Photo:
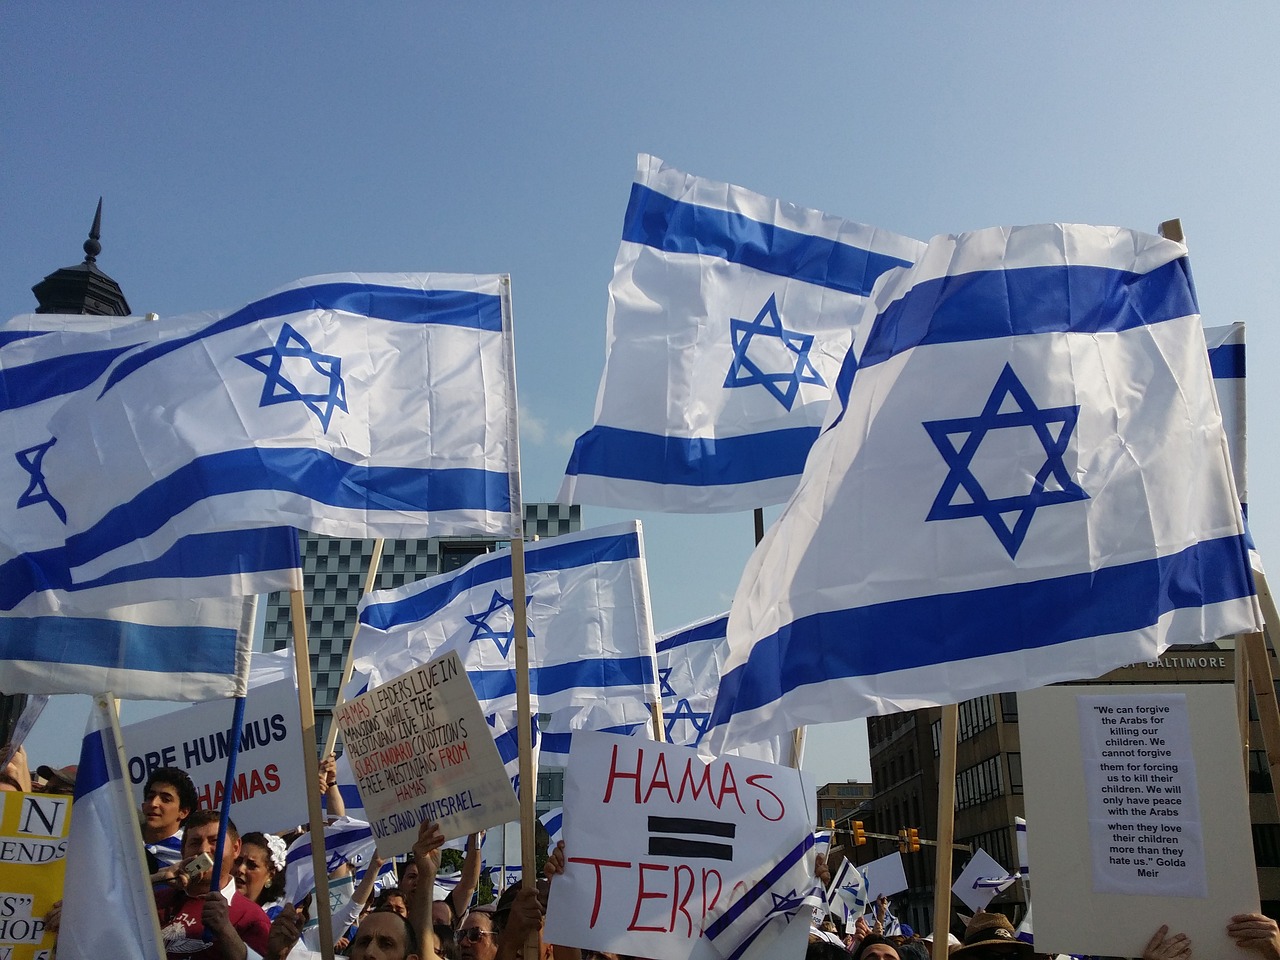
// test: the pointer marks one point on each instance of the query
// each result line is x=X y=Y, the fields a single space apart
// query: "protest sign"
x=420 y=750
x=270 y=786
x=1116 y=780
x=969 y=886
x=885 y=876
x=33 y=850
x=660 y=841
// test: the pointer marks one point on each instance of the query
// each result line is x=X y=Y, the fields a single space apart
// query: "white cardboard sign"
x=1195 y=871
x=420 y=750
x=982 y=866
x=270 y=785
x=885 y=876
x=659 y=840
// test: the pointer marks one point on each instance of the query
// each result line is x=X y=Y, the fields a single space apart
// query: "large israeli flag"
x=689 y=665
x=47 y=361
x=350 y=405
x=1023 y=481
x=729 y=314
x=590 y=633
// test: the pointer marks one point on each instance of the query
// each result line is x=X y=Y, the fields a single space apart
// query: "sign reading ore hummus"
x=420 y=750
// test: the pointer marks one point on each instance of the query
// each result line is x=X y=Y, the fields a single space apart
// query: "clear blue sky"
x=239 y=147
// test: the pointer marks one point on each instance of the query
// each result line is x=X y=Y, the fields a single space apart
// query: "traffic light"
x=902 y=840
x=859 y=836
x=913 y=840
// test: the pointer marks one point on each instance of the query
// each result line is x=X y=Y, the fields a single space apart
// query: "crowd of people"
x=245 y=915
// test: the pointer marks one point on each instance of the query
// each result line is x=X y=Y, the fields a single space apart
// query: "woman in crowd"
x=259 y=871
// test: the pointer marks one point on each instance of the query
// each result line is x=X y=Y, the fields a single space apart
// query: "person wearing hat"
x=990 y=936
x=60 y=780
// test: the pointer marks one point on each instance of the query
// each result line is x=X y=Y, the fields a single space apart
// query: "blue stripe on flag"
x=711 y=630
x=118 y=644
x=258 y=550
x=92 y=773
x=29 y=383
x=307 y=472
x=13 y=336
x=759 y=889
x=594 y=673
x=398 y=304
x=1227 y=361
x=691 y=461
x=990 y=304
x=673 y=226
x=551 y=558
x=902 y=634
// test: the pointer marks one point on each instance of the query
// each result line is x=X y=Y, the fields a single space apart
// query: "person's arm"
x=426 y=854
x=334 y=805
x=460 y=896
x=286 y=929
x=1253 y=931
x=524 y=921
x=350 y=913
x=16 y=774
x=217 y=919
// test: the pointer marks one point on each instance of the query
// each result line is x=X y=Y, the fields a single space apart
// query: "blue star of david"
x=291 y=346
x=782 y=385
x=37 y=490
x=483 y=631
x=788 y=904
x=664 y=682
x=685 y=713
x=1052 y=483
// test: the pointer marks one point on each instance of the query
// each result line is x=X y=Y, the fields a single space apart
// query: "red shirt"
x=183 y=929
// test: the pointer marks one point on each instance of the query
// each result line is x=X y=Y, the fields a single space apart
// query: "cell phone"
x=198 y=866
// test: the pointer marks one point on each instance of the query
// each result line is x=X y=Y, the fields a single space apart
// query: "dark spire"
x=82 y=288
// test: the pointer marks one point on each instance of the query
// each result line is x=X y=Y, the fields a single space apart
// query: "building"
x=988 y=791
x=334 y=571
x=839 y=801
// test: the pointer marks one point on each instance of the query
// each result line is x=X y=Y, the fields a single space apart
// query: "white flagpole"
x=797 y=735
x=311 y=766
x=371 y=577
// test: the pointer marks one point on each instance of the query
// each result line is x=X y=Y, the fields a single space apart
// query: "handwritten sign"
x=1144 y=808
x=420 y=750
x=33 y=850
x=659 y=840
x=270 y=786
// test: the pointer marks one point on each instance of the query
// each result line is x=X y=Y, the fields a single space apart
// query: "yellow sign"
x=33 y=850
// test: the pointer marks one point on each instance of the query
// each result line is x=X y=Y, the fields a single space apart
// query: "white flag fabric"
x=46 y=362
x=346 y=840
x=1227 y=361
x=556 y=731
x=689 y=662
x=729 y=314
x=376 y=405
x=107 y=906
x=553 y=822
x=590 y=633
x=1024 y=480
x=847 y=895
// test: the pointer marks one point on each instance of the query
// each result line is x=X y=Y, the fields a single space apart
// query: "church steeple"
x=82 y=288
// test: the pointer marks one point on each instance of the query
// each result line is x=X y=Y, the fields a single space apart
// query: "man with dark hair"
x=168 y=798
x=191 y=906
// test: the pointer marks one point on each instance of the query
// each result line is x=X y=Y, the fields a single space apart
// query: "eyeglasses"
x=472 y=934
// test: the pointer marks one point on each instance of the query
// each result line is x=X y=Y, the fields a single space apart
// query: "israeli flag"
x=689 y=662
x=190 y=640
x=729 y=315
x=556 y=730
x=590 y=633
x=346 y=840
x=1023 y=480
x=107 y=906
x=351 y=405
x=553 y=822
x=847 y=895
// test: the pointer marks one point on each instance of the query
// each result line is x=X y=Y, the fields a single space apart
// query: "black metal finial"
x=91 y=246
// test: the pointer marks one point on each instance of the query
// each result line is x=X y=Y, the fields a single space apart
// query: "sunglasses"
x=472 y=934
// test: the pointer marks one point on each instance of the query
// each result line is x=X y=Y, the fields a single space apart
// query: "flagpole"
x=370 y=578
x=524 y=735
x=1242 y=699
x=311 y=766
x=946 y=828
x=233 y=752
x=797 y=735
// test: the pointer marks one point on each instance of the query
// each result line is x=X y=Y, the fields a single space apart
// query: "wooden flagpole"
x=311 y=766
x=370 y=578
x=946 y=828
x=524 y=735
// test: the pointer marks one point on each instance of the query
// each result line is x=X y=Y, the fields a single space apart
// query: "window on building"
x=1015 y=772
x=1266 y=844
x=1259 y=772
x=979 y=783
x=974 y=716
x=1009 y=707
